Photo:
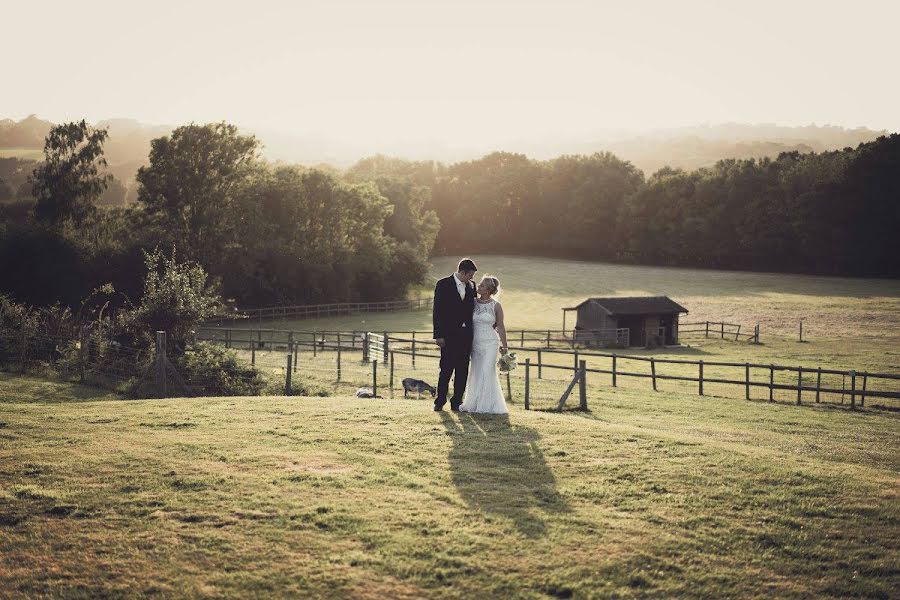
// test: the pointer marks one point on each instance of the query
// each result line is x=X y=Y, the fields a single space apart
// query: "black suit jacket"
x=450 y=312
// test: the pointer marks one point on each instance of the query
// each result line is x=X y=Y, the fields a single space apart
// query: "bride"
x=484 y=394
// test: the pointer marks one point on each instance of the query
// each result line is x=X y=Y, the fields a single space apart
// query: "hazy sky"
x=454 y=71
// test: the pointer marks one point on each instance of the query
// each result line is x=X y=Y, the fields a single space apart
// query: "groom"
x=454 y=303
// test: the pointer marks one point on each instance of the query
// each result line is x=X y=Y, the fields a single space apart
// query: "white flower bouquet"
x=507 y=362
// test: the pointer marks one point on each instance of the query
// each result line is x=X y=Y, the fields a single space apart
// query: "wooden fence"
x=383 y=346
x=718 y=329
x=315 y=311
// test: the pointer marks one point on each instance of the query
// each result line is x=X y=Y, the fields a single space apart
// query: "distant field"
x=29 y=153
x=339 y=497
x=849 y=323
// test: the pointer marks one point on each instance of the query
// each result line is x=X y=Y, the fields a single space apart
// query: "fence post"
x=614 y=370
x=391 y=380
x=527 y=382
x=771 y=383
x=548 y=338
x=287 y=375
x=522 y=339
x=575 y=366
x=818 y=384
x=653 y=372
x=414 y=351
x=82 y=342
x=801 y=330
x=291 y=342
x=365 y=347
x=707 y=329
x=862 y=395
x=737 y=334
x=374 y=377
x=747 y=379
x=296 y=355
x=161 y=364
x=315 y=344
x=386 y=346
x=799 y=383
x=701 y=378
x=540 y=365
x=853 y=390
x=723 y=329
x=508 y=388
x=339 y=363
x=582 y=385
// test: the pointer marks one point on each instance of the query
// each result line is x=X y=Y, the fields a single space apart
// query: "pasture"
x=225 y=497
x=24 y=153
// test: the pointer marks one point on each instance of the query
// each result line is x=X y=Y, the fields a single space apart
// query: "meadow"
x=341 y=497
x=848 y=323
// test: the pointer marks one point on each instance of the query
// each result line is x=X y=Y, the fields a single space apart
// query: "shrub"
x=215 y=371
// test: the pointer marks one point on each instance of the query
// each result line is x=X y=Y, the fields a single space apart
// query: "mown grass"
x=848 y=323
x=384 y=498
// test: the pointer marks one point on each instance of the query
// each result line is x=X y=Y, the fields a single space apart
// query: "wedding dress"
x=483 y=393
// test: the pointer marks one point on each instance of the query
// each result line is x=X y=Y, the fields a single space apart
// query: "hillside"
x=643 y=497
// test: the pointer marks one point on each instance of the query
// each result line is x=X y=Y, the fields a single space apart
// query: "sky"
x=454 y=71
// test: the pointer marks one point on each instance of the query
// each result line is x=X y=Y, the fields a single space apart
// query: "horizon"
x=463 y=76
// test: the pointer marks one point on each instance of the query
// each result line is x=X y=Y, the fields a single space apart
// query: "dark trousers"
x=454 y=359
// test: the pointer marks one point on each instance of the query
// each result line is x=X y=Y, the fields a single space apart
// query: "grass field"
x=212 y=497
x=27 y=153
x=848 y=323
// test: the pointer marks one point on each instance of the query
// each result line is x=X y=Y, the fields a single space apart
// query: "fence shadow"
x=499 y=469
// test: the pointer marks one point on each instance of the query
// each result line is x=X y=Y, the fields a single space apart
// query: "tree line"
x=270 y=234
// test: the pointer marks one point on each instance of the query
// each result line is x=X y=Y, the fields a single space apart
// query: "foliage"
x=68 y=182
x=190 y=184
x=219 y=371
x=177 y=299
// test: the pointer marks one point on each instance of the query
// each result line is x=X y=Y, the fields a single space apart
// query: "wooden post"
x=339 y=362
x=771 y=383
x=575 y=366
x=315 y=344
x=853 y=389
x=799 y=383
x=375 y=377
x=508 y=388
x=259 y=338
x=391 y=380
x=747 y=380
x=653 y=372
x=723 y=329
x=527 y=382
x=291 y=342
x=737 y=334
x=82 y=344
x=365 y=347
x=522 y=339
x=540 y=365
x=701 y=378
x=161 y=364
x=614 y=370
x=287 y=375
x=414 y=351
x=386 y=346
x=818 y=384
x=707 y=329
x=296 y=355
x=548 y=338
x=862 y=395
x=582 y=385
x=801 y=330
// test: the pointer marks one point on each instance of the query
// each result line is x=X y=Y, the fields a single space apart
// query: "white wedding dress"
x=483 y=393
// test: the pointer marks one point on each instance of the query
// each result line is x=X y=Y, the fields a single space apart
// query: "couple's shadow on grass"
x=500 y=470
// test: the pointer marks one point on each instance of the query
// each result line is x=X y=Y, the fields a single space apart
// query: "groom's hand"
x=440 y=342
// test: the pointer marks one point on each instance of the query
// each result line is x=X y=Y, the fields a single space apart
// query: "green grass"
x=339 y=497
x=26 y=153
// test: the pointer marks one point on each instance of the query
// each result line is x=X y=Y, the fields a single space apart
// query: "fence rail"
x=310 y=311
x=384 y=347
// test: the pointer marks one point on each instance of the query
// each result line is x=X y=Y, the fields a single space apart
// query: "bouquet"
x=507 y=362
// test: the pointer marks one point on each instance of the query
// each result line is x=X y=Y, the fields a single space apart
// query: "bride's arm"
x=500 y=327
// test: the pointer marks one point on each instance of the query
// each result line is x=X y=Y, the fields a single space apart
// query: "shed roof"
x=636 y=305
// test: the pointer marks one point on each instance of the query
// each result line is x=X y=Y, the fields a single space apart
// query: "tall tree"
x=190 y=185
x=68 y=182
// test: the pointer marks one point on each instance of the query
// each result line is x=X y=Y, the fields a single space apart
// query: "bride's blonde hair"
x=493 y=284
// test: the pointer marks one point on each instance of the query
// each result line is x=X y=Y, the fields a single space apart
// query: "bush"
x=217 y=371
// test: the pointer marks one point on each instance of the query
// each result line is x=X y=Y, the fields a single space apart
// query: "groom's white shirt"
x=460 y=287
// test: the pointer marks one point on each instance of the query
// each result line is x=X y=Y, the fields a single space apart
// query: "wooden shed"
x=627 y=321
